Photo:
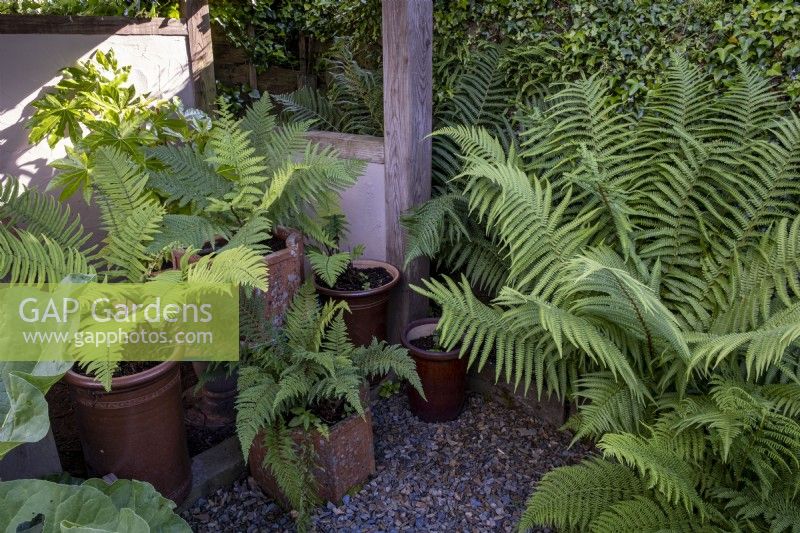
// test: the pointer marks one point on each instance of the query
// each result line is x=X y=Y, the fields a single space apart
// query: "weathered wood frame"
x=194 y=25
x=407 y=106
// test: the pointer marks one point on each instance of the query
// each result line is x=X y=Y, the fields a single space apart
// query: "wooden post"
x=201 y=55
x=407 y=100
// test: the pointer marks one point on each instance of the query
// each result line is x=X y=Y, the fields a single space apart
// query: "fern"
x=647 y=267
x=329 y=267
x=309 y=370
x=40 y=214
x=250 y=176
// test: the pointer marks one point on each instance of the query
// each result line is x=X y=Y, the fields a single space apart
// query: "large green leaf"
x=23 y=408
x=123 y=506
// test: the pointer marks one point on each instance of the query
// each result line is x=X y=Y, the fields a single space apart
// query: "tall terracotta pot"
x=443 y=376
x=136 y=430
x=285 y=268
x=368 y=308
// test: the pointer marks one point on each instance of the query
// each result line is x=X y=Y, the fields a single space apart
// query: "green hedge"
x=127 y=8
x=627 y=40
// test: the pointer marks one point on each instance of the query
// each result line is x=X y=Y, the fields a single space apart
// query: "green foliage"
x=124 y=506
x=330 y=266
x=650 y=273
x=351 y=103
x=628 y=42
x=94 y=105
x=23 y=408
x=307 y=376
x=126 y=8
x=251 y=175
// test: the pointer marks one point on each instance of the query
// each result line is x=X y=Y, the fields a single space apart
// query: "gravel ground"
x=472 y=474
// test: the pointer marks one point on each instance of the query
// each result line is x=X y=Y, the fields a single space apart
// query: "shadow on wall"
x=30 y=63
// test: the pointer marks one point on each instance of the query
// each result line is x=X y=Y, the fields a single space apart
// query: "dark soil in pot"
x=360 y=279
x=274 y=244
x=429 y=343
x=125 y=368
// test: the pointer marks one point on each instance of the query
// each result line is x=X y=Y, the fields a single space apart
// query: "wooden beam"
x=52 y=24
x=361 y=147
x=201 y=54
x=407 y=101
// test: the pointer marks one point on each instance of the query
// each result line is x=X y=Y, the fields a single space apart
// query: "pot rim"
x=120 y=383
x=425 y=354
x=363 y=263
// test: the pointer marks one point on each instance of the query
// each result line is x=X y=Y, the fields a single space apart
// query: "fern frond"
x=664 y=470
x=572 y=497
x=40 y=214
x=329 y=267
x=31 y=260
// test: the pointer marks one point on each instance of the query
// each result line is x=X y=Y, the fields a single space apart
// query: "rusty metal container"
x=216 y=402
x=136 y=430
x=368 y=309
x=443 y=376
x=285 y=274
x=345 y=460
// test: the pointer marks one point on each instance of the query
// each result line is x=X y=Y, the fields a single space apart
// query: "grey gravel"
x=472 y=474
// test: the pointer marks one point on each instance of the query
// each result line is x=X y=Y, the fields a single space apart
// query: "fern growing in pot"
x=42 y=243
x=649 y=272
x=364 y=284
x=303 y=416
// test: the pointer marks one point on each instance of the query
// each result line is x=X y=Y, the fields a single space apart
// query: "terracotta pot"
x=345 y=460
x=135 y=431
x=443 y=376
x=285 y=274
x=216 y=406
x=368 y=308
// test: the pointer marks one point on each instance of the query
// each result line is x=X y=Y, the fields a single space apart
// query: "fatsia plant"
x=306 y=377
x=95 y=104
x=646 y=268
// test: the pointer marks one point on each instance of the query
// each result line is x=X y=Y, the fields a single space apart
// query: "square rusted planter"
x=285 y=274
x=345 y=460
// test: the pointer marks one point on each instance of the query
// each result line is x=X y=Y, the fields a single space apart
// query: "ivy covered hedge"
x=627 y=40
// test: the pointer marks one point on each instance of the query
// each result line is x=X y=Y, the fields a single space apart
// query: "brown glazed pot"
x=136 y=430
x=346 y=459
x=368 y=309
x=443 y=376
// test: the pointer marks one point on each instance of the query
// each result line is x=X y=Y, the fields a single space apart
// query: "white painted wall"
x=365 y=207
x=31 y=63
